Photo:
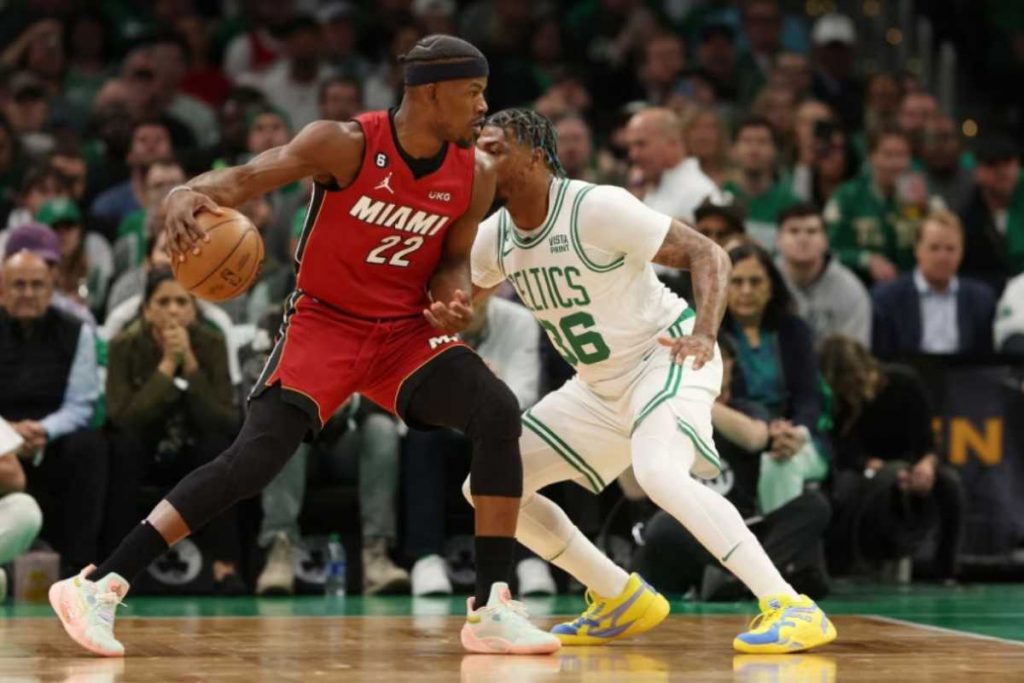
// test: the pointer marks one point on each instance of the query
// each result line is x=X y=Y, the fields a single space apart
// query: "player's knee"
x=497 y=412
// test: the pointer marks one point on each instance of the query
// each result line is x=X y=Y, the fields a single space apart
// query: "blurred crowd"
x=863 y=226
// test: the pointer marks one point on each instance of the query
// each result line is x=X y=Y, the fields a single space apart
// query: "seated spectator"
x=341 y=98
x=170 y=406
x=132 y=242
x=667 y=179
x=48 y=372
x=775 y=348
x=339 y=21
x=20 y=516
x=68 y=160
x=29 y=109
x=933 y=310
x=776 y=104
x=829 y=297
x=204 y=78
x=86 y=261
x=792 y=71
x=825 y=157
x=883 y=95
x=917 y=109
x=994 y=218
x=755 y=184
x=1009 y=326
x=44 y=242
x=150 y=140
x=576 y=148
x=947 y=177
x=872 y=219
x=170 y=54
x=889 y=487
x=717 y=57
x=293 y=84
x=507 y=338
x=706 y=137
x=150 y=96
x=720 y=219
x=792 y=534
x=835 y=68
x=362 y=432
x=212 y=316
x=40 y=184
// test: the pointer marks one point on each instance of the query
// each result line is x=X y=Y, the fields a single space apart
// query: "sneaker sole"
x=656 y=612
x=56 y=594
x=500 y=646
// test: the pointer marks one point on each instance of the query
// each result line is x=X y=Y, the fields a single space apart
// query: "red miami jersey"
x=370 y=249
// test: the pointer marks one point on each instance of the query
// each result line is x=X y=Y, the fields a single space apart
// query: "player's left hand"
x=451 y=317
x=700 y=346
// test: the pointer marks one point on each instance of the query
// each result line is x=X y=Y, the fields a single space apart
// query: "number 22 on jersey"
x=380 y=255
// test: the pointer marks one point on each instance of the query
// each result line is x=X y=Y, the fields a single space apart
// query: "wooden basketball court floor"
x=921 y=633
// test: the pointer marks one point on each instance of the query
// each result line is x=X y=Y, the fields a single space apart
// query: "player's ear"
x=537 y=157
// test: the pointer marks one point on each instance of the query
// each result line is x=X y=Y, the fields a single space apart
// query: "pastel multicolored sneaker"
x=502 y=626
x=637 y=609
x=786 y=624
x=86 y=609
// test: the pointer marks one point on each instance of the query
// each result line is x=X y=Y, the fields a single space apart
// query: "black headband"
x=421 y=73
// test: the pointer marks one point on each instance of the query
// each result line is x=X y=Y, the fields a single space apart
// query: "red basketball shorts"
x=323 y=356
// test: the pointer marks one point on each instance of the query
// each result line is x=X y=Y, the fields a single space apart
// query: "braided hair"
x=533 y=130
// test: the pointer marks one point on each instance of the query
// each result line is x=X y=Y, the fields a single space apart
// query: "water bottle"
x=334 y=576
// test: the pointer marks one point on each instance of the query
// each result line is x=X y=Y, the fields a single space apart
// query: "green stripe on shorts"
x=563 y=449
x=707 y=452
x=675 y=373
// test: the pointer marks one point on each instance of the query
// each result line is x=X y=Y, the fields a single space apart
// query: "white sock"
x=662 y=456
x=545 y=529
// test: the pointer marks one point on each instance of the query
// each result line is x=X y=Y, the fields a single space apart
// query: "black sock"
x=142 y=545
x=495 y=556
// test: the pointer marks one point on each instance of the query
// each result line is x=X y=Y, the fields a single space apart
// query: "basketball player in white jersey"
x=647 y=373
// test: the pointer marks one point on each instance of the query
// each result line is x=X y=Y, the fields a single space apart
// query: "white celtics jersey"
x=586 y=275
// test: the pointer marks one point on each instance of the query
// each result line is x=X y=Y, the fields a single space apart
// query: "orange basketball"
x=228 y=264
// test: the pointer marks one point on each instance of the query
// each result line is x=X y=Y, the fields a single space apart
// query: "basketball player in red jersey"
x=383 y=277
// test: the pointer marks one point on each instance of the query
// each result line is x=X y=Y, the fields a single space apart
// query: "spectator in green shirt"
x=755 y=184
x=872 y=218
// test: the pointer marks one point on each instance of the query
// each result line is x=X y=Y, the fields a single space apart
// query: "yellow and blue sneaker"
x=786 y=624
x=637 y=609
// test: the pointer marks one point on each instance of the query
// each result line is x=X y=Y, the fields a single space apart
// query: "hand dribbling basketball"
x=183 y=232
x=216 y=252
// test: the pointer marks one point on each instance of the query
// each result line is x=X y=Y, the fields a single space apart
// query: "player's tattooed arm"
x=451 y=284
x=709 y=267
x=325 y=150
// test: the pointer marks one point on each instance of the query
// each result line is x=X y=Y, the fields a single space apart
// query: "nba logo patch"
x=382 y=160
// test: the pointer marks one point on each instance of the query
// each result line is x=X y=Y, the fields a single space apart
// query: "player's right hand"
x=183 y=232
x=453 y=317
x=700 y=346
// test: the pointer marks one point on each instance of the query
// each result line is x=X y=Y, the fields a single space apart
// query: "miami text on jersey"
x=397 y=217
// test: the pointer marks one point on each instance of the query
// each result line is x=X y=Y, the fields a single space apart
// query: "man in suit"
x=932 y=309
